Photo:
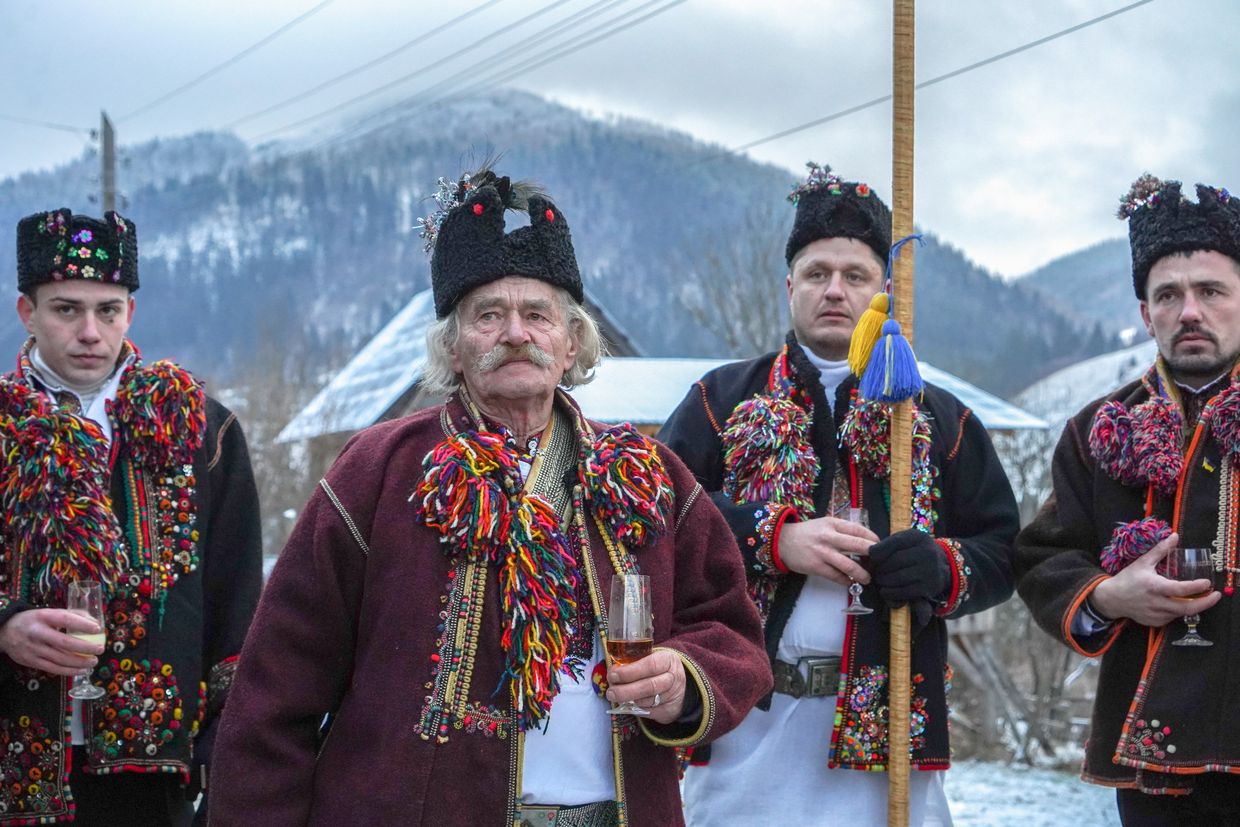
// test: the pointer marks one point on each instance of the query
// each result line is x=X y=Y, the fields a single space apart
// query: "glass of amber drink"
x=630 y=628
x=1191 y=564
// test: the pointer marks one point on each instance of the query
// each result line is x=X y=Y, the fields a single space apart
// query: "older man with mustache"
x=1146 y=469
x=443 y=596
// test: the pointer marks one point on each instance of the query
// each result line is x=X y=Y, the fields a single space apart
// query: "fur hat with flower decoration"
x=1161 y=221
x=60 y=246
x=830 y=207
x=470 y=248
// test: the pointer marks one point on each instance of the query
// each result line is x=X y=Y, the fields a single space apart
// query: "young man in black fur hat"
x=1144 y=478
x=456 y=633
x=125 y=473
x=789 y=454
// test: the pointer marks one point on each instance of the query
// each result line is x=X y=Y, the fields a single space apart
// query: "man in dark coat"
x=788 y=452
x=127 y=474
x=1140 y=475
x=444 y=594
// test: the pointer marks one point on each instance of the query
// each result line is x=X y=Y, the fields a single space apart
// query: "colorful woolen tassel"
x=865 y=334
x=1130 y=540
x=892 y=374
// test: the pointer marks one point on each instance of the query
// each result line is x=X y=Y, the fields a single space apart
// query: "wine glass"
x=855 y=607
x=630 y=628
x=1191 y=564
x=86 y=599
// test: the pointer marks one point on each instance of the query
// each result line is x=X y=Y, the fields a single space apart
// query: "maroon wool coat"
x=352 y=617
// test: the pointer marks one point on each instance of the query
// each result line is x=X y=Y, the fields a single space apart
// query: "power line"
x=938 y=79
x=530 y=65
x=220 y=67
x=505 y=75
x=44 y=124
x=427 y=96
x=359 y=69
x=404 y=78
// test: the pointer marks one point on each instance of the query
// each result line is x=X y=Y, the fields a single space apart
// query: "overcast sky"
x=1017 y=162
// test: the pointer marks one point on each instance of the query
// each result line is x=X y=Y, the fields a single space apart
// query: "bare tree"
x=734 y=283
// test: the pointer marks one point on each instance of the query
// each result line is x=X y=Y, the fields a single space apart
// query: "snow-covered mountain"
x=306 y=248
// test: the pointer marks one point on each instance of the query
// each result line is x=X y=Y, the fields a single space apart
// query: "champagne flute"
x=855 y=607
x=630 y=628
x=1191 y=564
x=86 y=599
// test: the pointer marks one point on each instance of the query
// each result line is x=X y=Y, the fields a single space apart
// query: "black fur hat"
x=58 y=246
x=1161 y=221
x=828 y=207
x=471 y=249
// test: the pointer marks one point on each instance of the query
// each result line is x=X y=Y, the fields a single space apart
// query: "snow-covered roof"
x=373 y=380
x=1058 y=396
x=645 y=391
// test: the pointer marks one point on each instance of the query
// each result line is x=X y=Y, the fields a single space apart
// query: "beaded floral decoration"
x=866 y=433
x=141 y=712
x=32 y=768
x=769 y=454
x=82 y=255
x=862 y=720
x=1149 y=739
x=58 y=521
x=471 y=494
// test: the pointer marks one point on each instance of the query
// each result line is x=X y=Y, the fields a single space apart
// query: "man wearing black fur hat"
x=445 y=593
x=1144 y=479
x=127 y=474
x=789 y=453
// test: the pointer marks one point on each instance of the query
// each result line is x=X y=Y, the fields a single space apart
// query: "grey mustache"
x=503 y=354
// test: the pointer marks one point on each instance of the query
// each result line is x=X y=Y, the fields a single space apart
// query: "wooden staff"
x=899 y=688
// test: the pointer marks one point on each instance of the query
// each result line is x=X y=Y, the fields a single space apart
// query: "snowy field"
x=996 y=795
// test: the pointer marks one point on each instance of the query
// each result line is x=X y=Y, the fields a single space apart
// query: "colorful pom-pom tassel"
x=865 y=334
x=892 y=374
x=1130 y=540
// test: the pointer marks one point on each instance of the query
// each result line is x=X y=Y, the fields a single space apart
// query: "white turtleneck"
x=831 y=373
x=92 y=397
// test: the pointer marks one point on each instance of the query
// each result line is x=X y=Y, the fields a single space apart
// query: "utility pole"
x=107 y=140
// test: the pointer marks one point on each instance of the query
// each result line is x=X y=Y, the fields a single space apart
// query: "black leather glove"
x=909 y=567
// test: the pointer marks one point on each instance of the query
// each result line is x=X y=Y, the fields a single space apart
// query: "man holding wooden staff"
x=794 y=456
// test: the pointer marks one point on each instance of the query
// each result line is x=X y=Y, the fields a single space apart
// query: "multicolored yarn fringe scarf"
x=58 y=520
x=471 y=494
x=769 y=453
x=1142 y=446
x=159 y=415
x=866 y=434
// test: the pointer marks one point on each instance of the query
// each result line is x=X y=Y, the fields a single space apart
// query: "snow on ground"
x=985 y=794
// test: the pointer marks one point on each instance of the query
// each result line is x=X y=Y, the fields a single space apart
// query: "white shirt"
x=772 y=769
x=568 y=761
